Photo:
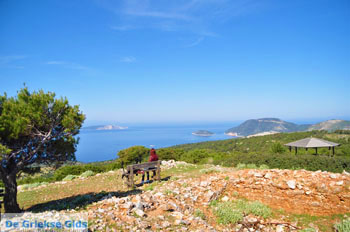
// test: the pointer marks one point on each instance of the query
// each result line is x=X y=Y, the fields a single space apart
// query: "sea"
x=102 y=145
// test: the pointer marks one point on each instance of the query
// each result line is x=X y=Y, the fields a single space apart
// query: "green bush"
x=131 y=154
x=80 y=169
x=200 y=214
x=278 y=148
x=69 y=177
x=290 y=161
x=226 y=213
x=169 y=153
x=343 y=226
x=87 y=173
x=256 y=208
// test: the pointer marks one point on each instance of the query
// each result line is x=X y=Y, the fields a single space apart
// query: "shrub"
x=290 y=161
x=343 y=226
x=30 y=186
x=264 y=166
x=200 y=214
x=80 y=169
x=226 y=213
x=131 y=154
x=87 y=173
x=256 y=208
x=169 y=153
x=278 y=148
x=195 y=156
x=241 y=166
x=251 y=166
x=69 y=177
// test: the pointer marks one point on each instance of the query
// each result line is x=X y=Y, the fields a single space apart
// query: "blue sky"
x=181 y=60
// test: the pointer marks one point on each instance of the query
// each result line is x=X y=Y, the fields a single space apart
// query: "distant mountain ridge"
x=331 y=125
x=265 y=126
x=261 y=125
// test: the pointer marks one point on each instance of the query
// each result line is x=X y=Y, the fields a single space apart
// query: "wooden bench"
x=133 y=169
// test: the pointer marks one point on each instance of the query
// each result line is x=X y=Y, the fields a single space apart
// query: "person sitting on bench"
x=153 y=157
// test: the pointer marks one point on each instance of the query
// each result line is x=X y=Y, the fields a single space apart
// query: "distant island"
x=265 y=126
x=203 y=133
x=105 y=127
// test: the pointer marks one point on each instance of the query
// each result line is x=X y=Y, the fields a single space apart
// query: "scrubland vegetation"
x=256 y=152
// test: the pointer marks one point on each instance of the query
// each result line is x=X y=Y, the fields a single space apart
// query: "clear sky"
x=181 y=60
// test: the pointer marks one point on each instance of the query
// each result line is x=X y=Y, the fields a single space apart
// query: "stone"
x=339 y=183
x=333 y=176
x=258 y=175
x=204 y=184
x=279 y=228
x=140 y=213
x=225 y=198
x=268 y=175
x=291 y=184
x=166 y=224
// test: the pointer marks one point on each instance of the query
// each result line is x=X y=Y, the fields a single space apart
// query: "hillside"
x=331 y=125
x=201 y=198
x=264 y=144
x=256 y=126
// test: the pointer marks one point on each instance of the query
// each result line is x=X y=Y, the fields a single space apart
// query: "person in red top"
x=152 y=157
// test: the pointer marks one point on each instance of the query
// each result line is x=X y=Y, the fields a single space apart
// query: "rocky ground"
x=184 y=204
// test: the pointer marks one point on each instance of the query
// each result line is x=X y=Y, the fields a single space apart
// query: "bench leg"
x=131 y=178
x=158 y=171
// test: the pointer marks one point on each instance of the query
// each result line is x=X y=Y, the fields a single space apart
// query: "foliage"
x=200 y=214
x=80 y=169
x=308 y=230
x=133 y=154
x=233 y=211
x=278 y=148
x=252 y=166
x=343 y=226
x=169 y=153
x=87 y=173
x=29 y=186
x=35 y=128
x=262 y=144
x=256 y=208
x=288 y=161
x=226 y=213
x=69 y=177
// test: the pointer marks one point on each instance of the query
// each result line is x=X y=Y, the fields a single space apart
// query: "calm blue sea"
x=104 y=145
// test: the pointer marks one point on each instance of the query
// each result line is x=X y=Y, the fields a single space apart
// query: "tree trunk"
x=10 y=197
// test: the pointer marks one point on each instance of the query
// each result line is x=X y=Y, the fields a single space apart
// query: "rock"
x=166 y=224
x=280 y=228
x=209 y=194
x=268 y=175
x=258 y=175
x=339 y=183
x=225 y=198
x=140 y=213
x=291 y=184
x=251 y=219
x=315 y=204
x=333 y=176
x=204 y=184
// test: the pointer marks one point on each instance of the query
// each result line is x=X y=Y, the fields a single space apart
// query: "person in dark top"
x=153 y=157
